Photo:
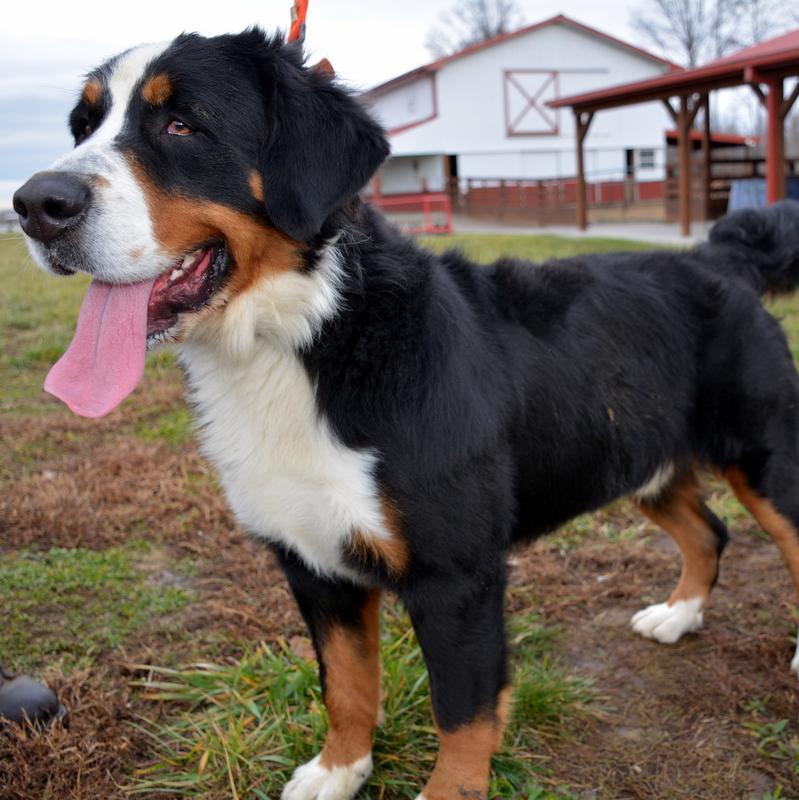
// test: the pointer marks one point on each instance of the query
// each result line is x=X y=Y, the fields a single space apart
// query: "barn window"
x=646 y=159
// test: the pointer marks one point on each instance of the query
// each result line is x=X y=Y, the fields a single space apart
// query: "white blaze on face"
x=115 y=241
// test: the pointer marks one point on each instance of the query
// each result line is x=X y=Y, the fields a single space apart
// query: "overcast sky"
x=46 y=46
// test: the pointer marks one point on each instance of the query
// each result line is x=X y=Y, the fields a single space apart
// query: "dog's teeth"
x=176 y=273
x=192 y=258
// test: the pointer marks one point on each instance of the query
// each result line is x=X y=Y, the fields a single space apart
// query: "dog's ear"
x=322 y=148
x=745 y=227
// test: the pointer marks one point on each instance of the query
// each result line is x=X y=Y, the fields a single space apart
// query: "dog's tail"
x=759 y=246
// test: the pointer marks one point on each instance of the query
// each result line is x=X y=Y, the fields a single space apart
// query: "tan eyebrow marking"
x=157 y=90
x=92 y=92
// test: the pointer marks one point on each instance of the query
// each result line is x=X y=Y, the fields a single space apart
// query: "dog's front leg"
x=343 y=622
x=459 y=625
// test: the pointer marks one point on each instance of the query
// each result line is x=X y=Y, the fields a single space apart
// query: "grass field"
x=125 y=583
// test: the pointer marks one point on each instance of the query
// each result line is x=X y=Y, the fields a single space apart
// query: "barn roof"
x=560 y=19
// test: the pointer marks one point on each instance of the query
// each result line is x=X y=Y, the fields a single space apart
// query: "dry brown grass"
x=86 y=757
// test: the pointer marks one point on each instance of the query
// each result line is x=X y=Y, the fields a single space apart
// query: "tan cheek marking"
x=681 y=517
x=352 y=687
x=157 y=90
x=92 y=92
x=464 y=757
x=180 y=223
x=99 y=182
x=256 y=186
x=136 y=254
x=780 y=528
x=392 y=552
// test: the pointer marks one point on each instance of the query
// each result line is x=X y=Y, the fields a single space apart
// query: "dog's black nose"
x=50 y=203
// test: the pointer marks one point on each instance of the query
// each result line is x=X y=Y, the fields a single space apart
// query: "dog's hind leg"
x=771 y=496
x=344 y=623
x=701 y=537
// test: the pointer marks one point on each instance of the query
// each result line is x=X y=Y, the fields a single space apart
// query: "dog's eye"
x=85 y=131
x=178 y=128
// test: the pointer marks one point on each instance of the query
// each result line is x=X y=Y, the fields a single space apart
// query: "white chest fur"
x=286 y=475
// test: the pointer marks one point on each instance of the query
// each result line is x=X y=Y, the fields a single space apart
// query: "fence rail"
x=551 y=201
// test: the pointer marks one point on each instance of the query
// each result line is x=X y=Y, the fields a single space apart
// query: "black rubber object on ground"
x=24 y=699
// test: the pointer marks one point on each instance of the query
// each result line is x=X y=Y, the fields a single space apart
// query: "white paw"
x=665 y=623
x=795 y=662
x=312 y=781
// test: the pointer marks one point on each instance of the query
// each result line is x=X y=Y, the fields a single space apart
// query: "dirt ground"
x=673 y=718
x=681 y=721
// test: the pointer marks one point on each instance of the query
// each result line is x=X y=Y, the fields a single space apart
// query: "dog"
x=392 y=420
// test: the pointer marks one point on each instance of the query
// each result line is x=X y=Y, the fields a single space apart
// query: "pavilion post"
x=684 y=117
x=775 y=142
x=583 y=123
x=787 y=105
x=684 y=177
x=707 y=168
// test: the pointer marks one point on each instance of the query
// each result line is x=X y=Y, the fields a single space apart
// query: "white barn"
x=482 y=114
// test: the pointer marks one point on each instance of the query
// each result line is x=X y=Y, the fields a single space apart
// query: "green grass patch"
x=64 y=606
x=42 y=355
x=485 y=247
x=775 y=795
x=174 y=427
x=37 y=317
x=241 y=729
x=28 y=455
x=777 y=740
x=589 y=527
x=786 y=310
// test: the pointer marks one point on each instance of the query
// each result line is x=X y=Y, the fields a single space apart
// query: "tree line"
x=691 y=32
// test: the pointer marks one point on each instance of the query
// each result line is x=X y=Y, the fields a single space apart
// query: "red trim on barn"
x=435 y=208
x=560 y=19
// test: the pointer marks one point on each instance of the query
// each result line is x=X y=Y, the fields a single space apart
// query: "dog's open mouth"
x=105 y=361
x=187 y=285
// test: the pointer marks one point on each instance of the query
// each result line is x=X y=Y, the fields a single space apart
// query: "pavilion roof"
x=772 y=59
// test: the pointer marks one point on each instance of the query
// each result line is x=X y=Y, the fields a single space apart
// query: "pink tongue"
x=105 y=361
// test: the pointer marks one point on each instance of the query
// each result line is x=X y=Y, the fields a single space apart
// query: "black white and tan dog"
x=393 y=420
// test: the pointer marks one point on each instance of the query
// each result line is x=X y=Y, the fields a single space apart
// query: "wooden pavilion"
x=764 y=67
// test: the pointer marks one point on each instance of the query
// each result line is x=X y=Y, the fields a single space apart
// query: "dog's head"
x=199 y=165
